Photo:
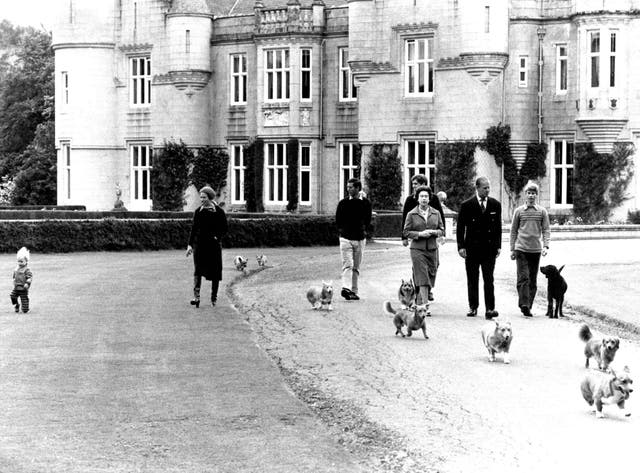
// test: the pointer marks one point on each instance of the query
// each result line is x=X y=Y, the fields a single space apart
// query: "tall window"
x=594 y=58
x=349 y=166
x=348 y=90
x=418 y=70
x=523 y=71
x=561 y=69
x=141 y=163
x=238 y=79
x=65 y=155
x=305 y=173
x=487 y=19
x=612 y=60
x=305 y=74
x=237 y=174
x=64 y=88
x=140 y=90
x=276 y=159
x=562 y=173
x=276 y=75
x=419 y=158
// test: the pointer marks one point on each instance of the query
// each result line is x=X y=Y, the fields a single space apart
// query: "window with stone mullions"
x=140 y=92
x=612 y=60
x=276 y=159
x=349 y=167
x=238 y=168
x=277 y=75
x=238 y=79
x=141 y=163
x=561 y=69
x=562 y=174
x=305 y=74
x=347 y=89
x=305 y=173
x=418 y=67
x=594 y=58
x=419 y=158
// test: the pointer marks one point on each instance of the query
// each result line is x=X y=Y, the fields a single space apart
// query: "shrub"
x=633 y=216
x=253 y=175
x=169 y=176
x=292 y=175
x=209 y=168
x=456 y=170
x=384 y=177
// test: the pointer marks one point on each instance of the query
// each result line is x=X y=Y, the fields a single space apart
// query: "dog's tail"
x=388 y=309
x=585 y=334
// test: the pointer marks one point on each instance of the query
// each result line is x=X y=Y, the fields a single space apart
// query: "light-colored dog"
x=262 y=260
x=240 y=262
x=412 y=318
x=497 y=336
x=407 y=293
x=603 y=351
x=606 y=388
x=320 y=297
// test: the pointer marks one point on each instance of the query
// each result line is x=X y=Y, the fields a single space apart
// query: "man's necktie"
x=482 y=205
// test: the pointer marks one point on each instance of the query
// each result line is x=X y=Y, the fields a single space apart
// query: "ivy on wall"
x=600 y=180
x=209 y=167
x=383 y=178
x=292 y=175
x=456 y=170
x=254 y=175
x=534 y=166
x=170 y=175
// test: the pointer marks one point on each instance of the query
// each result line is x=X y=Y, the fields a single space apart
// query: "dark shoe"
x=195 y=302
x=353 y=296
x=17 y=307
x=346 y=293
x=472 y=312
x=430 y=297
x=213 y=302
x=490 y=314
x=525 y=311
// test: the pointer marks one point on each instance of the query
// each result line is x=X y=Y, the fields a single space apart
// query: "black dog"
x=556 y=288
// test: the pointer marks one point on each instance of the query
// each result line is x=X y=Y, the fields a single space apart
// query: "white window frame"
x=238 y=68
x=564 y=168
x=347 y=91
x=141 y=192
x=278 y=88
x=594 y=56
x=487 y=19
x=65 y=159
x=304 y=170
x=348 y=168
x=416 y=63
x=306 y=71
x=613 y=68
x=275 y=173
x=64 y=89
x=562 y=72
x=423 y=163
x=187 y=41
x=523 y=71
x=140 y=83
x=238 y=168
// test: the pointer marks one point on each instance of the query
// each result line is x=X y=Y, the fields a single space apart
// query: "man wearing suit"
x=479 y=236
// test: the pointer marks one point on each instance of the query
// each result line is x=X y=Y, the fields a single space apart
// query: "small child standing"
x=22 y=277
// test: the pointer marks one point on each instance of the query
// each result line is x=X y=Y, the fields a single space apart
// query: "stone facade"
x=131 y=75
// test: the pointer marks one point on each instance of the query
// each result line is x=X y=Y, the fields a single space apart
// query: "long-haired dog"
x=407 y=293
x=556 y=289
x=320 y=297
x=240 y=263
x=497 y=336
x=412 y=318
x=606 y=388
x=262 y=260
x=602 y=350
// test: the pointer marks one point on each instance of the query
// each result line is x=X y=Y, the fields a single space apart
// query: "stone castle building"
x=338 y=76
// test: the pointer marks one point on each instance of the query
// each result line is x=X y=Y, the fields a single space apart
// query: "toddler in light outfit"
x=22 y=277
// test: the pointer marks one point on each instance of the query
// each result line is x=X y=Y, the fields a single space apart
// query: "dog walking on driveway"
x=602 y=350
x=556 y=289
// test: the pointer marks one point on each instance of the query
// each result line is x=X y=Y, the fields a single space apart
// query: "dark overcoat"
x=209 y=225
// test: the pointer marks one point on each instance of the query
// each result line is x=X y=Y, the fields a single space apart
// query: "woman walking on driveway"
x=209 y=225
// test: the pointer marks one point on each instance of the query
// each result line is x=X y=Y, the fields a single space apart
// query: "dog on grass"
x=607 y=388
x=320 y=297
x=412 y=318
x=603 y=351
x=240 y=262
x=407 y=293
x=497 y=336
x=556 y=289
x=262 y=260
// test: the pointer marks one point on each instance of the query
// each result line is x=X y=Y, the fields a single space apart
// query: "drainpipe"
x=320 y=153
x=541 y=32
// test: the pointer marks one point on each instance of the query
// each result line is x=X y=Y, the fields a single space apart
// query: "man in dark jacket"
x=353 y=217
x=479 y=236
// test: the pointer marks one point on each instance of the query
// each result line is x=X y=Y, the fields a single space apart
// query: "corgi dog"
x=407 y=293
x=240 y=262
x=603 y=351
x=320 y=297
x=412 y=318
x=262 y=260
x=497 y=336
x=607 y=388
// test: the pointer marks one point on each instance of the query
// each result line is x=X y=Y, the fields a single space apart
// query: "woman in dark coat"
x=209 y=225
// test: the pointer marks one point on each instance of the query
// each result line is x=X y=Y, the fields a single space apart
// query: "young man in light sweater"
x=529 y=239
